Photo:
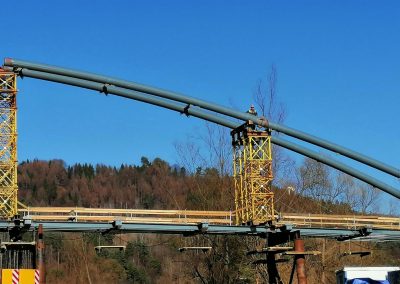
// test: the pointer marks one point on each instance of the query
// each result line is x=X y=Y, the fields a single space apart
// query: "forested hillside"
x=156 y=184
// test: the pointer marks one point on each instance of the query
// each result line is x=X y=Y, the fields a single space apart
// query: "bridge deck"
x=81 y=214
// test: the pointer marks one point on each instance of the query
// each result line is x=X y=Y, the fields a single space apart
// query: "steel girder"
x=200 y=228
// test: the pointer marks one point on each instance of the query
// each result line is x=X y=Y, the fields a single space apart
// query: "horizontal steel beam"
x=128 y=227
x=197 y=112
x=208 y=106
x=82 y=214
x=201 y=228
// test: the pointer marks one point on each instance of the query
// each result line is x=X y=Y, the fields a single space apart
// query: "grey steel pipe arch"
x=194 y=111
x=208 y=106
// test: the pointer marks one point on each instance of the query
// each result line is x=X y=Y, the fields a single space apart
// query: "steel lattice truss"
x=254 y=200
x=8 y=145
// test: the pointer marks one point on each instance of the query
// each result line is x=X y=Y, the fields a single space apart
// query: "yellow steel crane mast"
x=8 y=145
x=252 y=167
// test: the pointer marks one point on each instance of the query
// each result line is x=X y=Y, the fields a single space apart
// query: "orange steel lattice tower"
x=252 y=167
x=8 y=145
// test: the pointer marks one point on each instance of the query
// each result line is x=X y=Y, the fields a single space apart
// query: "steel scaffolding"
x=8 y=145
x=252 y=166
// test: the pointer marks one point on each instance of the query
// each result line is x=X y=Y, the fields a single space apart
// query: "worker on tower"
x=251 y=124
x=252 y=110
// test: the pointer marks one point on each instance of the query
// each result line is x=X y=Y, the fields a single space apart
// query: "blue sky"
x=338 y=71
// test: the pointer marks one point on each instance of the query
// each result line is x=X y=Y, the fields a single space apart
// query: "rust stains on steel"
x=300 y=259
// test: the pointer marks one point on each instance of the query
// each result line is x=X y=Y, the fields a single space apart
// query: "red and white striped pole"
x=15 y=276
x=37 y=276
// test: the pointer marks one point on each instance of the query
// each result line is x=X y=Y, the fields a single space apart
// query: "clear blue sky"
x=338 y=71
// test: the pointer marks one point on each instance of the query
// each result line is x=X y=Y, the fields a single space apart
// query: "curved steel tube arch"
x=194 y=111
x=208 y=106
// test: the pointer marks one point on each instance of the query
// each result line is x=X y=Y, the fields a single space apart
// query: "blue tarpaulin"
x=366 y=281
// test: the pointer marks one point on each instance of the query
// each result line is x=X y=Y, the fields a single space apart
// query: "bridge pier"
x=300 y=259
x=273 y=273
x=274 y=240
x=40 y=264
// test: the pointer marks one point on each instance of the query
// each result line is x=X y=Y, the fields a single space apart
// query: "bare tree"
x=213 y=151
x=323 y=184
x=209 y=155
x=219 y=149
x=393 y=207
x=360 y=196
x=266 y=101
x=367 y=197
x=265 y=97
x=190 y=156
x=315 y=181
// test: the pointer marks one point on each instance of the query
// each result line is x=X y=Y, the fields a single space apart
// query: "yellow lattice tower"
x=252 y=166
x=8 y=145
